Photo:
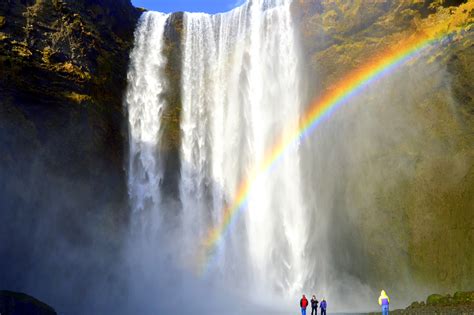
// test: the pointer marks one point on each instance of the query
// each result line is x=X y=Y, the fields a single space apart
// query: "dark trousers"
x=323 y=312
x=314 y=311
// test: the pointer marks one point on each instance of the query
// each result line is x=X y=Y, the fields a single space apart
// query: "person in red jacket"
x=303 y=305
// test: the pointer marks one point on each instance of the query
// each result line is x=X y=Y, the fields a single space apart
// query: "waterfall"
x=145 y=105
x=241 y=90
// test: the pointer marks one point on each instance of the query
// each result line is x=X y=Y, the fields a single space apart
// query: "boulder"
x=14 y=303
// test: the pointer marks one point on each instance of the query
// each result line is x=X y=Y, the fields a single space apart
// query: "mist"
x=61 y=230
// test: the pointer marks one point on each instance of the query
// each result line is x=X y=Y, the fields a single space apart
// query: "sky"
x=208 y=6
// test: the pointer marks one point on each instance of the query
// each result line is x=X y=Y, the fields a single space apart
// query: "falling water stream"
x=241 y=90
x=145 y=104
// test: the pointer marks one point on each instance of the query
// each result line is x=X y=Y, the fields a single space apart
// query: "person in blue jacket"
x=323 y=305
x=384 y=301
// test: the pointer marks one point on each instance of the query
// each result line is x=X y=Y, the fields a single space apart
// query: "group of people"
x=384 y=301
x=314 y=305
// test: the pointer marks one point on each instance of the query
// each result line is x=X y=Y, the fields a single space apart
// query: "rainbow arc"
x=320 y=110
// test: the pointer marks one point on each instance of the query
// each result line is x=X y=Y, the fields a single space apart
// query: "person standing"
x=303 y=305
x=314 y=306
x=384 y=301
x=323 y=306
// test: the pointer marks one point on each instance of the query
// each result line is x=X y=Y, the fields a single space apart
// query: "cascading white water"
x=241 y=91
x=145 y=104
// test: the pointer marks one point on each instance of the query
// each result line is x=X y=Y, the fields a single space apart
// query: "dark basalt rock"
x=13 y=303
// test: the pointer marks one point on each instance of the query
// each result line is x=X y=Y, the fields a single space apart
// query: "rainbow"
x=319 y=110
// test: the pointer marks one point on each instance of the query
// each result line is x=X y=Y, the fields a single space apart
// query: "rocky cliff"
x=62 y=140
x=406 y=179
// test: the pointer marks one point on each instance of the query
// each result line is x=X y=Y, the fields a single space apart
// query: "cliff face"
x=62 y=181
x=405 y=175
x=63 y=64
